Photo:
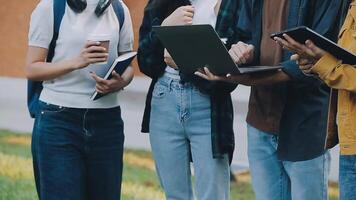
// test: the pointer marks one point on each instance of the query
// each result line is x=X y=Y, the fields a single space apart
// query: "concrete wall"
x=14 y=19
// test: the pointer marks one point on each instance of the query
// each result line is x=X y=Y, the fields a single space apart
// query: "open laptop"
x=196 y=46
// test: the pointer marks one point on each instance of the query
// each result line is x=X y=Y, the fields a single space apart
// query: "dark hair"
x=166 y=7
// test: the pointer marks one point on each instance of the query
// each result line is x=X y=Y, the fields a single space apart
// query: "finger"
x=100 y=90
x=295 y=57
x=299 y=47
x=187 y=19
x=318 y=51
x=98 y=79
x=188 y=9
x=207 y=72
x=116 y=76
x=285 y=44
x=240 y=56
x=91 y=43
x=303 y=62
x=102 y=87
x=189 y=14
x=201 y=75
x=305 y=67
x=97 y=49
x=234 y=56
x=98 y=55
x=97 y=60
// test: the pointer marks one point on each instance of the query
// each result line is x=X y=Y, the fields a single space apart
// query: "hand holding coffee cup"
x=103 y=40
x=92 y=53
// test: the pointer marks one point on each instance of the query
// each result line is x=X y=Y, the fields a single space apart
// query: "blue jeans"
x=78 y=153
x=347 y=178
x=273 y=179
x=180 y=126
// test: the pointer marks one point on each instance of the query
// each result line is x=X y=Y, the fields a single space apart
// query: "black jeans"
x=78 y=153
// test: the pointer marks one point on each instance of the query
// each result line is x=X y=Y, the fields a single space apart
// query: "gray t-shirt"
x=74 y=89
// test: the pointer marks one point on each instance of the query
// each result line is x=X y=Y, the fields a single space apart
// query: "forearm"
x=335 y=74
x=262 y=79
x=42 y=71
x=128 y=76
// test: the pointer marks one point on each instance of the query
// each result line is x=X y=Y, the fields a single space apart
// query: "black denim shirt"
x=151 y=63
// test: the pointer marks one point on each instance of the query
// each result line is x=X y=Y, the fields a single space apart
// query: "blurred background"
x=16 y=125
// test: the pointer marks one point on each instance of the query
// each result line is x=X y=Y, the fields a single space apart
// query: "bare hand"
x=91 y=53
x=181 y=16
x=103 y=86
x=242 y=53
x=206 y=74
x=306 y=51
x=169 y=60
x=304 y=64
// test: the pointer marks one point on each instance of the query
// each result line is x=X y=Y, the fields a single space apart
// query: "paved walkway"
x=14 y=116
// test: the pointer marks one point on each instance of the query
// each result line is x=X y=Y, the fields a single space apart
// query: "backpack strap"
x=58 y=13
x=119 y=11
x=34 y=88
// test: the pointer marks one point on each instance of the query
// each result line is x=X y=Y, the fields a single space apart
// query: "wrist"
x=74 y=64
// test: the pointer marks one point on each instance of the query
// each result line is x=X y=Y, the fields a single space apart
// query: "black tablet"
x=301 y=34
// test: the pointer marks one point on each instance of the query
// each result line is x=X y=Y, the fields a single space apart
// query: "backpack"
x=34 y=88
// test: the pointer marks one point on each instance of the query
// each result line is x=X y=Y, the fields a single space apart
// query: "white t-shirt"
x=75 y=89
x=204 y=13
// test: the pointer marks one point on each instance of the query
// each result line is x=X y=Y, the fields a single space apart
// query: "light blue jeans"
x=180 y=125
x=347 y=177
x=273 y=179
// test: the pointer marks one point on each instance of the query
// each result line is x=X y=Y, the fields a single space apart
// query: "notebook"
x=120 y=64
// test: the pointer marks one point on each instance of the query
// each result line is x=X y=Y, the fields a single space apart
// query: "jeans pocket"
x=160 y=90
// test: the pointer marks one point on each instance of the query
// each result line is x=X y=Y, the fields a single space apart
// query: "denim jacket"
x=151 y=63
x=303 y=124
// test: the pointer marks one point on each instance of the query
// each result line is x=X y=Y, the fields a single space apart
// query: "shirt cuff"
x=325 y=65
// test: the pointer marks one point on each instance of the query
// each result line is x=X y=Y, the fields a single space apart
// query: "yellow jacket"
x=342 y=77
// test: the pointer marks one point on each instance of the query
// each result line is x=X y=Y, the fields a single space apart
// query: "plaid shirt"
x=151 y=63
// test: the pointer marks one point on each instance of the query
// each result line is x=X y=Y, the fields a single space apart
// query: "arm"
x=39 y=70
x=335 y=74
x=324 y=21
x=150 y=51
x=246 y=79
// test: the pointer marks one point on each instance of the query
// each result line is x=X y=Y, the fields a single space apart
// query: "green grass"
x=140 y=181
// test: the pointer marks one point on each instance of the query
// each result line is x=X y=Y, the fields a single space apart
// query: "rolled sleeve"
x=325 y=65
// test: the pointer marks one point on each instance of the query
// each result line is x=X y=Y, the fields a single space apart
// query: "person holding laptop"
x=287 y=110
x=78 y=143
x=188 y=118
x=342 y=78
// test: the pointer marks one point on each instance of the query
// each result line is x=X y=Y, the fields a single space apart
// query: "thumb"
x=116 y=75
x=294 y=57
x=311 y=45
